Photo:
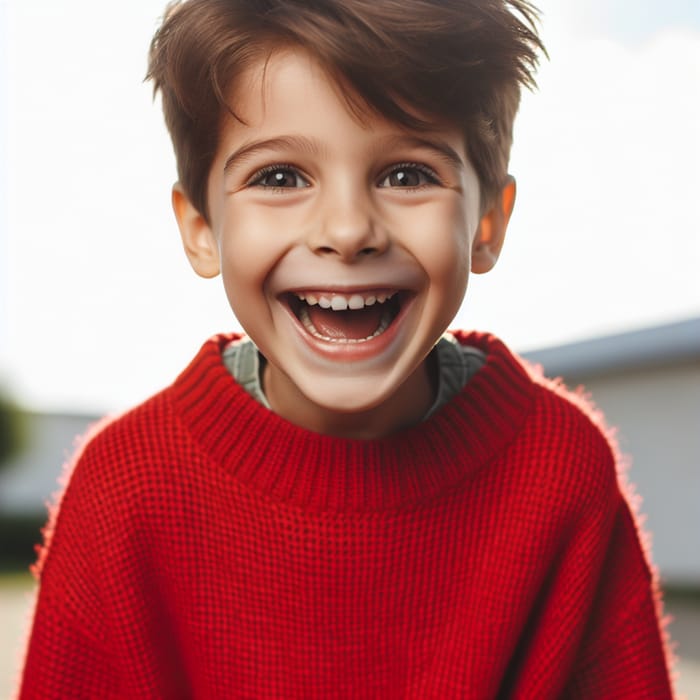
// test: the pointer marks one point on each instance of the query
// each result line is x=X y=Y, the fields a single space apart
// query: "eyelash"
x=258 y=175
x=428 y=173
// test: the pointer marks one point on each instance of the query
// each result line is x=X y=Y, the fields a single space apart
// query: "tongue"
x=347 y=325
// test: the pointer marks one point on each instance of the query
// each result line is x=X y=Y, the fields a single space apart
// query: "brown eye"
x=408 y=176
x=279 y=177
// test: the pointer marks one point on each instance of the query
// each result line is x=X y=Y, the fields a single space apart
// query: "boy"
x=344 y=503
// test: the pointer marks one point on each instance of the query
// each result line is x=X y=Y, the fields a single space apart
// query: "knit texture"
x=207 y=548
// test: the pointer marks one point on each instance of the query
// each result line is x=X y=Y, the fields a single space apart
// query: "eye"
x=278 y=177
x=408 y=175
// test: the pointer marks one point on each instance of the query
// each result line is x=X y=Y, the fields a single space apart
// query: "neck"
x=403 y=408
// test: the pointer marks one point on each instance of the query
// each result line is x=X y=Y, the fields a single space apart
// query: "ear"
x=199 y=240
x=491 y=232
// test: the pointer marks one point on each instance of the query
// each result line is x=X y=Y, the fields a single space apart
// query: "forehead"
x=288 y=87
x=283 y=79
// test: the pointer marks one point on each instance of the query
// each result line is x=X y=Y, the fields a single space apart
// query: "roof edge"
x=653 y=346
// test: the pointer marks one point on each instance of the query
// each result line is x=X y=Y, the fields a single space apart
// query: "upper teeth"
x=340 y=302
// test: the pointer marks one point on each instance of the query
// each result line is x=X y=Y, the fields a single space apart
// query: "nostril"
x=350 y=252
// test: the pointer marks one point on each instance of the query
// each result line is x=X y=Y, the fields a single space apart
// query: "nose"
x=348 y=224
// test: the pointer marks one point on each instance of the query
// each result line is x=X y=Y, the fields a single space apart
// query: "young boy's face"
x=344 y=243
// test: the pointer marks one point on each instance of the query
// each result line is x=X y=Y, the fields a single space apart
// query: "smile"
x=346 y=318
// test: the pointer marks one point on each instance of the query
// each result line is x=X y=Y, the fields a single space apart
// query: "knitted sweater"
x=207 y=548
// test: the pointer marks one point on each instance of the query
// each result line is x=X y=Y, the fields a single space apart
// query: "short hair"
x=460 y=61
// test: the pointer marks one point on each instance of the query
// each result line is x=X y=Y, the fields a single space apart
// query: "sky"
x=99 y=307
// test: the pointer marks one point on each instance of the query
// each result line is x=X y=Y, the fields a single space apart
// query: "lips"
x=346 y=317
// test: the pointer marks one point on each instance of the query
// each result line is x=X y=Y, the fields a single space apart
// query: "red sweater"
x=207 y=548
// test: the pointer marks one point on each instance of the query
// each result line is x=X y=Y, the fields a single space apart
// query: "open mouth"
x=356 y=317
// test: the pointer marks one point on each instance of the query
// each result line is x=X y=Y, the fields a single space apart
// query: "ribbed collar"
x=286 y=463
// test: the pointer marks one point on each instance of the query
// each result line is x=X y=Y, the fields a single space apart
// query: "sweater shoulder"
x=89 y=482
x=120 y=459
x=571 y=446
x=121 y=467
x=146 y=432
x=564 y=439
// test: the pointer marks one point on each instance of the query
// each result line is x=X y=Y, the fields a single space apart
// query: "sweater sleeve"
x=68 y=650
x=623 y=652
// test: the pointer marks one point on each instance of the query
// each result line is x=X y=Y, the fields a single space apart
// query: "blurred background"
x=598 y=280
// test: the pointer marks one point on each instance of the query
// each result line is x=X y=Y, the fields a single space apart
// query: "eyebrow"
x=302 y=143
x=248 y=150
x=439 y=147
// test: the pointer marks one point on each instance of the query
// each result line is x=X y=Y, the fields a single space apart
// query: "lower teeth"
x=304 y=317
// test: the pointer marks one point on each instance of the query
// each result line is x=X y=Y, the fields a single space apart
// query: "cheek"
x=441 y=242
x=248 y=246
x=242 y=274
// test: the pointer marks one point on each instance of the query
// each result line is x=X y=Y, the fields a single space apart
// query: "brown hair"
x=462 y=61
